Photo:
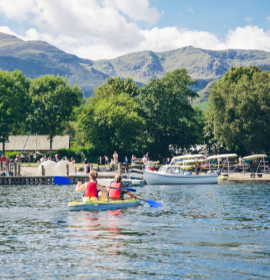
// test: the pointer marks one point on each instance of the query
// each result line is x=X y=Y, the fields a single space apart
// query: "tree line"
x=157 y=118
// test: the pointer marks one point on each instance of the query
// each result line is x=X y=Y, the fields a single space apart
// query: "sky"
x=105 y=29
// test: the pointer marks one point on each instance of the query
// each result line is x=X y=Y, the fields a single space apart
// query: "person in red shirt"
x=3 y=158
x=91 y=188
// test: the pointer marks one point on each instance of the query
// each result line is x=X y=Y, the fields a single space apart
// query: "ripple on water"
x=203 y=231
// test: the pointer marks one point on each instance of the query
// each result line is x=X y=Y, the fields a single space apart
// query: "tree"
x=240 y=110
x=116 y=86
x=113 y=123
x=53 y=101
x=14 y=103
x=170 y=118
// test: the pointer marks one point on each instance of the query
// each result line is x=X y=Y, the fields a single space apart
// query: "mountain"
x=35 y=58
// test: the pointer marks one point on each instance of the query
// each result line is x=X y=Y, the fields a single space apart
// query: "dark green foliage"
x=239 y=113
x=115 y=86
x=112 y=123
x=170 y=118
x=53 y=102
x=14 y=102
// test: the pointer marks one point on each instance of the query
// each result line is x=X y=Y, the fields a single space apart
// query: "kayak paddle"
x=152 y=203
x=58 y=180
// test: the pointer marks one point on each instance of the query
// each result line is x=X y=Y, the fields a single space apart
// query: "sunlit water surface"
x=202 y=232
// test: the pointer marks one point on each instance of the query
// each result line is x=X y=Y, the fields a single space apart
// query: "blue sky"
x=213 y=15
x=98 y=29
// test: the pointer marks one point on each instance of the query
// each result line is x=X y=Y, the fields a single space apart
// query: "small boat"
x=99 y=205
x=174 y=175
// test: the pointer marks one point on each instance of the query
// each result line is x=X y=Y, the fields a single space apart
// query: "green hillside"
x=37 y=58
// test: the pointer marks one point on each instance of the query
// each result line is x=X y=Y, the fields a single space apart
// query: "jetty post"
x=119 y=171
x=15 y=169
x=42 y=170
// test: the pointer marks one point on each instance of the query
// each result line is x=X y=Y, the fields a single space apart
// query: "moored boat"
x=177 y=178
x=99 y=205
x=175 y=174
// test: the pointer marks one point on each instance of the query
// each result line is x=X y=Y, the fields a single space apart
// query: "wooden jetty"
x=48 y=180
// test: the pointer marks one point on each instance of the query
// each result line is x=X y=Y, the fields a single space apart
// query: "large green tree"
x=116 y=86
x=14 y=103
x=239 y=110
x=53 y=101
x=170 y=118
x=113 y=123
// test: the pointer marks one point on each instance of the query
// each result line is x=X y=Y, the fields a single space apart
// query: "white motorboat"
x=175 y=175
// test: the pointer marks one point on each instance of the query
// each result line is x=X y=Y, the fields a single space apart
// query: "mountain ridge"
x=35 y=58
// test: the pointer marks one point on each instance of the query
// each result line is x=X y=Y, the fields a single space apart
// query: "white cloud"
x=16 y=9
x=138 y=10
x=268 y=18
x=107 y=29
x=7 y=30
x=249 y=37
x=190 y=10
x=249 y=19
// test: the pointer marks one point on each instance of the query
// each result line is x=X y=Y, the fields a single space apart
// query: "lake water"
x=202 y=232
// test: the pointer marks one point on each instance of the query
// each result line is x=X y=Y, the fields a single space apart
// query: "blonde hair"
x=93 y=175
x=118 y=178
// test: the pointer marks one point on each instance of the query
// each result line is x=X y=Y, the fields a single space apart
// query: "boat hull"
x=102 y=205
x=159 y=178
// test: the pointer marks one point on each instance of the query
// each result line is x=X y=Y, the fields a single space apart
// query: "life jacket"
x=91 y=189
x=113 y=192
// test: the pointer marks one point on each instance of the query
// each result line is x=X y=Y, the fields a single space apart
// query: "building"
x=40 y=143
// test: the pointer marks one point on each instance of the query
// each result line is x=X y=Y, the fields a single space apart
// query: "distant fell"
x=37 y=58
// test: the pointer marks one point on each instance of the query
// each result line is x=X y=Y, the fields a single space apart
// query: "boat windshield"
x=172 y=170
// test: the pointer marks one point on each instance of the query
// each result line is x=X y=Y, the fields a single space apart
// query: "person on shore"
x=3 y=158
x=100 y=161
x=72 y=160
x=87 y=168
x=85 y=164
x=198 y=167
x=240 y=160
x=115 y=157
x=144 y=159
x=133 y=158
x=22 y=158
x=115 y=194
x=56 y=158
x=126 y=160
x=91 y=188
x=106 y=160
x=168 y=161
x=42 y=159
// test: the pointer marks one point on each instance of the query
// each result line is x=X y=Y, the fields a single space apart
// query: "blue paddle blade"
x=154 y=204
x=127 y=189
x=58 y=180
